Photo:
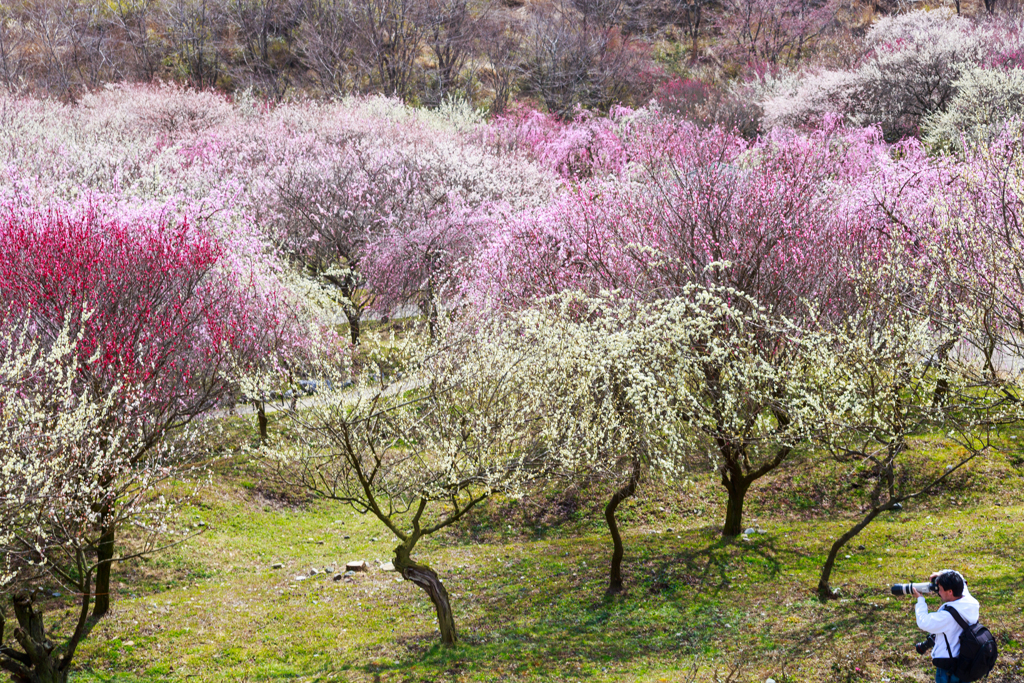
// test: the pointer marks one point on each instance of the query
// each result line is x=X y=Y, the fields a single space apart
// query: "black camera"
x=925 y=645
x=922 y=588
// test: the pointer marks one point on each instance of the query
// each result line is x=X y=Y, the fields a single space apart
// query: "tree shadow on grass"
x=670 y=610
x=712 y=569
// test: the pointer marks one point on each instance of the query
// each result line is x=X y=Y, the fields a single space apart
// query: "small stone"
x=301 y=577
x=751 y=530
x=769 y=680
x=339 y=577
x=346 y=537
x=374 y=539
x=329 y=570
x=277 y=565
x=357 y=566
x=129 y=643
x=668 y=530
x=387 y=567
x=319 y=542
x=349 y=573
x=849 y=557
x=313 y=571
x=861 y=547
x=744 y=537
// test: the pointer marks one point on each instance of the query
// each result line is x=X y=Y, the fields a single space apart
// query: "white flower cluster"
x=67 y=466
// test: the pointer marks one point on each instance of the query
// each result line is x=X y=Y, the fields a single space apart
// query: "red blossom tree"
x=159 y=308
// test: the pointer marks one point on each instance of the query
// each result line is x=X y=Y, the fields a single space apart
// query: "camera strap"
x=959 y=620
x=956 y=616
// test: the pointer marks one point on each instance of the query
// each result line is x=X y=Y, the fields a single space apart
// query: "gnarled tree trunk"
x=615 y=578
x=261 y=418
x=737 y=487
x=427 y=579
x=40 y=660
x=737 y=483
x=353 y=327
x=825 y=591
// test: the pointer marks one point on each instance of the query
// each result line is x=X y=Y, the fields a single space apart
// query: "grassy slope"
x=527 y=580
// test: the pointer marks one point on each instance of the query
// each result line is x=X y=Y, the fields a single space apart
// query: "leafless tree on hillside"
x=133 y=18
x=450 y=31
x=688 y=15
x=325 y=41
x=12 y=56
x=260 y=25
x=191 y=26
x=388 y=41
x=503 y=45
x=577 y=58
x=70 y=43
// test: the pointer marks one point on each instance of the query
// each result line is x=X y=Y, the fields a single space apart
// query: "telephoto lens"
x=907 y=588
x=925 y=645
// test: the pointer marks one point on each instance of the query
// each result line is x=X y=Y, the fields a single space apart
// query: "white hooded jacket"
x=944 y=626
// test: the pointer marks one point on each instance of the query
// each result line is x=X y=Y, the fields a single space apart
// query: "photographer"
x=945 y=632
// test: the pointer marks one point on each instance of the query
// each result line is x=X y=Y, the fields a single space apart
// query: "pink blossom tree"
x=707 y=208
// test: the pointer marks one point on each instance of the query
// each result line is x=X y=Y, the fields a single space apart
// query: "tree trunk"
x=427 y=579
x=430 y=309
x=615 y=578
x=104 y=558
x=942 y=355
x=37 y=663
x=353 y=326
x=261 y=418
x=825 y=591
x=737 y=487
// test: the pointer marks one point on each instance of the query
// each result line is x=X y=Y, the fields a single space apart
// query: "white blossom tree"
x=61 y=461
x=418 y=453
x=627 y=388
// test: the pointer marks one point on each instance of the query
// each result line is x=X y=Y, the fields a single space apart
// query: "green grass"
x=527 y=580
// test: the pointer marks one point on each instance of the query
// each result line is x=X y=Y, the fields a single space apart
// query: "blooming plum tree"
x=705 y=209
x=878 y=373
x=65 y=455
x=166 y=317
x=421 y=453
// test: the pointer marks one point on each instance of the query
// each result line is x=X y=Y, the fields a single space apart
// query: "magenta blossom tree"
x=154 y=307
